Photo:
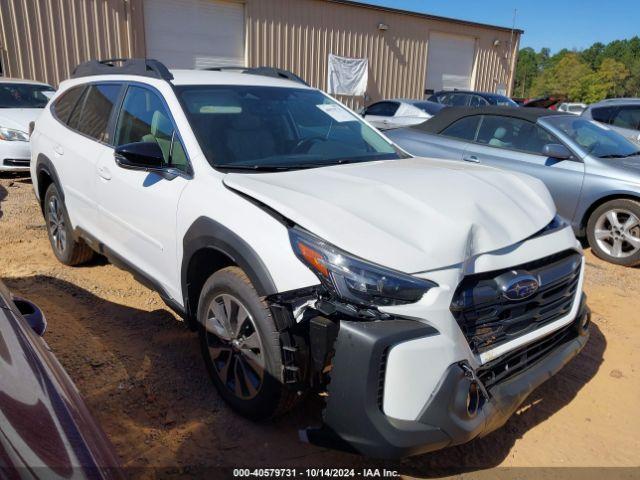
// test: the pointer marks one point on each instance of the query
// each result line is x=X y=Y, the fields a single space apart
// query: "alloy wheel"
x=617 y=233
x=235 y=346
x=57 y=226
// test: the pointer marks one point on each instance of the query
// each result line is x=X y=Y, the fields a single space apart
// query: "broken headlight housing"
x=355 y=280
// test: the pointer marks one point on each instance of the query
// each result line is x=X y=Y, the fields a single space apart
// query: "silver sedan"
x=591 y=171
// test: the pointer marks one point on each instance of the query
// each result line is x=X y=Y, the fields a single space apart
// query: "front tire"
x=65 y=247
x=241 y=346
x=613 y=231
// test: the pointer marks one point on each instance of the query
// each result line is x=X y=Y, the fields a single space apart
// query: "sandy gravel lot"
x=141 y=374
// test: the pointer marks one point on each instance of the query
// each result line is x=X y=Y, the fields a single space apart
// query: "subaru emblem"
x=517 y=285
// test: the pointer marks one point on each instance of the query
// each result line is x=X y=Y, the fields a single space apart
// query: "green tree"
x=607 y=81
x=566 y=76
x=526 y=71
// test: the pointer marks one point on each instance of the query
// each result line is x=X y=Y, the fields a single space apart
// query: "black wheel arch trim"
x=44 y=164
x=206 y=233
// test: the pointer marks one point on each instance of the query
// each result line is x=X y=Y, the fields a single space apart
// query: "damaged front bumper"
x=461 y=407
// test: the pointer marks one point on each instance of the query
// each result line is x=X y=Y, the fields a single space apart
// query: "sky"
x=555 y=24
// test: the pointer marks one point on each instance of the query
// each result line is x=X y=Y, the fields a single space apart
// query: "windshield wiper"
x=617 y=155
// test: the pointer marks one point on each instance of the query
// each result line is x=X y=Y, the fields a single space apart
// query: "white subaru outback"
x=424 y=299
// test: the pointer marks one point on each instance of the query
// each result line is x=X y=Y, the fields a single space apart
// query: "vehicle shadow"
x=142 y=376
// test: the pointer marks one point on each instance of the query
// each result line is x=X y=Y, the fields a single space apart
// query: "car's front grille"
x=514 y=362
x=487 y=318
x=16 y=162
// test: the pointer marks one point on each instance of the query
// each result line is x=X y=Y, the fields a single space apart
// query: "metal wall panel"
x=45 y=39
x=299 y=35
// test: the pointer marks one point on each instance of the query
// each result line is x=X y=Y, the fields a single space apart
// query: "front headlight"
x=11 y=135
x=355 y=280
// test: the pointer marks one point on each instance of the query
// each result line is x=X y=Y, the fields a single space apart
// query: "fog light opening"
x=584 y=321
x=474 y=399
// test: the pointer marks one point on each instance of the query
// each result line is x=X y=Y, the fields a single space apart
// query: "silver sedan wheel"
x=617 y=233
x=235 y=346
x=57 y=227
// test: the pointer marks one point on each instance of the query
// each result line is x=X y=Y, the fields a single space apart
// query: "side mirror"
x=140 y=156
x=555 y=150
x=32 y=314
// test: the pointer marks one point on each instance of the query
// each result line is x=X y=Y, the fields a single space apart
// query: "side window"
x=602 y=114
x=477 y=101
x=383 y=109
x=463 y=129
x=458 y=100
x=627 y=117
x=513 y=133
x=144 y=118
x=98 y=104
x=64 y=104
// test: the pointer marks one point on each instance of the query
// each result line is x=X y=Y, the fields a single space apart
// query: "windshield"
x=24 y=95
x=595 y=139
x=500 y=100
x=262 y=128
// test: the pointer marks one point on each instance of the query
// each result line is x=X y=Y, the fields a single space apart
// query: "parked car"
x=312 y=254
x=400 y=113
x=621 y=114
x=575 y=108
x=46 y=430
x=592 y=172
x=548 y=101
x=463 y=98
x=21 y=101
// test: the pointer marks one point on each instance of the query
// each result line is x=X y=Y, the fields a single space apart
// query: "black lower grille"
x=514 y=362
x=14 y=162
x=487 y=318
x=381 y=376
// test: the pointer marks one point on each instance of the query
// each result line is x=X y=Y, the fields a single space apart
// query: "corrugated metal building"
x=408 y=52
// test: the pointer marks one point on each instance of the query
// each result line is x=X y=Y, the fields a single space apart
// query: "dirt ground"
x=142 y=376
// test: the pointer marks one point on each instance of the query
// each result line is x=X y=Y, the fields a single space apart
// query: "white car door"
x=87 y=112
x=137 y=209
x=381 y=114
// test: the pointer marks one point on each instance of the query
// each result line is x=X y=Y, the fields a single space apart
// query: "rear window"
x=463 y=129
x=602 y=114
x=63 y=106
x=627 y=117
x=98 y=105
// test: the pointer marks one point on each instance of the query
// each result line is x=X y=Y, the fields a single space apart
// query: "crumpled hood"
x=412 y=215
x=18 y=118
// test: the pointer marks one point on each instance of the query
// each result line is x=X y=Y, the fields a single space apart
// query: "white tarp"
x=347 y=76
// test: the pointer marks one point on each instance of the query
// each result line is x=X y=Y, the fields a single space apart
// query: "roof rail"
x=265 y=71
x=146 y=67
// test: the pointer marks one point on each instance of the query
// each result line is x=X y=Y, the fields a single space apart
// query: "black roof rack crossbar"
x=266 y=71
x=146 y=67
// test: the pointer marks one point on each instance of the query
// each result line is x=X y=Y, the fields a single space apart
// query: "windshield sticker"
x=337 y=113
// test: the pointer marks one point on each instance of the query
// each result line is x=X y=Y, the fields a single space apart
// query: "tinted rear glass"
x=464 y=129
x=602 y=114
x=98 y=104
x=64 y=105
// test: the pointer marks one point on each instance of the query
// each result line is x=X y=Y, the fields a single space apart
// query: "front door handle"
x=104 y=173
x=471 y=158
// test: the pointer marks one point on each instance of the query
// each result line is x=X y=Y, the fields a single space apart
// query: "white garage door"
x=450 y=61
x=194 y=33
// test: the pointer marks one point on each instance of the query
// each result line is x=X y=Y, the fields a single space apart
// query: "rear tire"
x=613 y=231
x=241 y=346
x=66 y=248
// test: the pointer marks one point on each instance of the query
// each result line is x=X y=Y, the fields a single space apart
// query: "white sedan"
x=21 y=102
x=399 y=113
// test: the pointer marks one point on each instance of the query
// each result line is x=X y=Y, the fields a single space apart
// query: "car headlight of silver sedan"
x=12 y=135
x=355 y=280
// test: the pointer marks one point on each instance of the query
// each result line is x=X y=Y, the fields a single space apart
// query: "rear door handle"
x=104 y=173
x=471 y=158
